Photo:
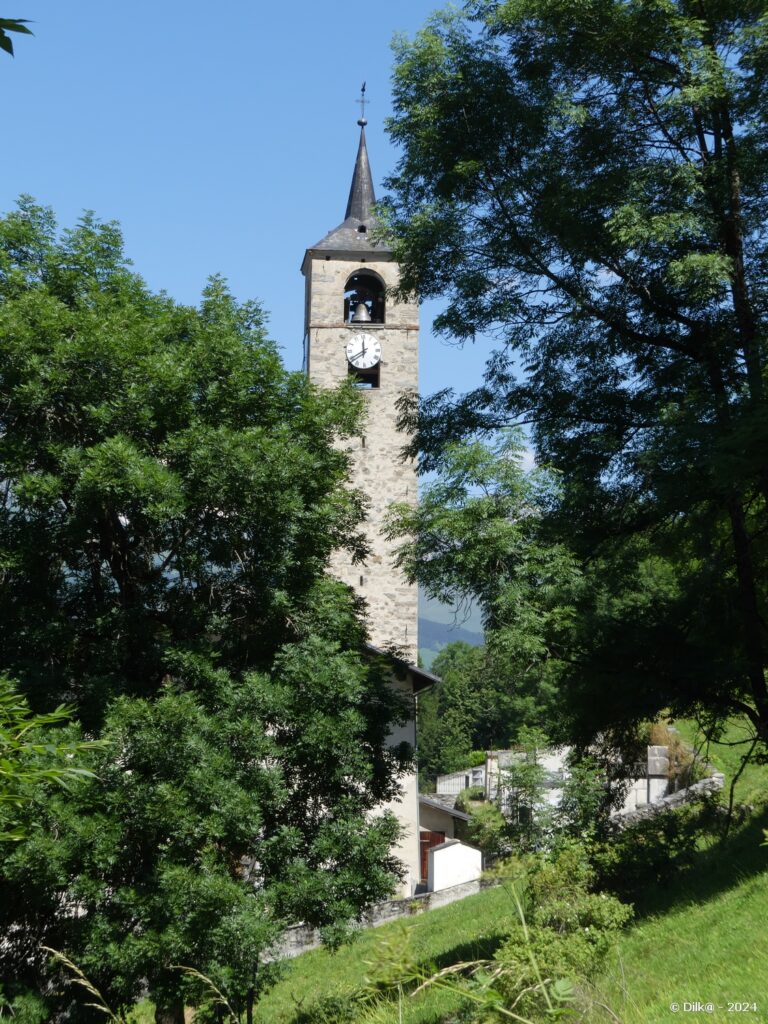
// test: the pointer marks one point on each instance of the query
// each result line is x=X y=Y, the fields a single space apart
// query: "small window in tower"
x=362 y=229
x=365 y=379
x=364 y=299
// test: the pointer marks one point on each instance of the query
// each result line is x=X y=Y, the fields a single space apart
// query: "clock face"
x=363 y=351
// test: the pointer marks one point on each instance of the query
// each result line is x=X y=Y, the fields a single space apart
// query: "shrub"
x=653 y=850
x=570 y=927
x=488 y=830
x=466 y=796
x=534 y=955
x=685 y=767
x=334 y=1009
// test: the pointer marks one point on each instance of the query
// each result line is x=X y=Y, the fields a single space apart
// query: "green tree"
x=31 y=753
x=522 y=788
x=18 y=25
x=448 y=713
x=588 y=183
x=170 y=499
x=478 y=534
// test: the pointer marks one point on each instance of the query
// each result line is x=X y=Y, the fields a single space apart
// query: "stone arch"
x=364 y=288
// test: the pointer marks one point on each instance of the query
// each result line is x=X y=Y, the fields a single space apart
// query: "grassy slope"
x=752 y=786
x=470 y=929
x=702 y=940
x=705 y=940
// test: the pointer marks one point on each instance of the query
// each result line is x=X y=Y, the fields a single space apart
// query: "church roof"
x=353 y=234
x=361 y=194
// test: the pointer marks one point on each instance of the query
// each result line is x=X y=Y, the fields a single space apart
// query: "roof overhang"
x=438 y=806
x=420 y=679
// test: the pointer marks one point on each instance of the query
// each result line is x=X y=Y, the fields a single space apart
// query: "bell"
x=361 y=314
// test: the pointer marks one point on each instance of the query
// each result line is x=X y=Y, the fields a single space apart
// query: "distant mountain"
x=439 y=625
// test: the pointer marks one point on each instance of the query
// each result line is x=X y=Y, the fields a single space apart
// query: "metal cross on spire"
x=362 y=101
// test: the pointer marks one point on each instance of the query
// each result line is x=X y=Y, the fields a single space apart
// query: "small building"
x=648 y=784
x=453 y=863
x=446 y=858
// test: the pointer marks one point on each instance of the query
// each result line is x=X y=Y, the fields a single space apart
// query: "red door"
x=426 y=841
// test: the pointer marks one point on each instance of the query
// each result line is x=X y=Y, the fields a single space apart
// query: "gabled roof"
x=422 y=680
x=433 y=800
x=353 y=234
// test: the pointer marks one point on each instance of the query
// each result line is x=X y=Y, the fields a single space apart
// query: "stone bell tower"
x=355 y=329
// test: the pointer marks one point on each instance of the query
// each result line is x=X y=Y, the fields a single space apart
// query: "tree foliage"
x=587 y=182
x=170 y=499
x=478 y=534
x=31 y=752
x=18 y=25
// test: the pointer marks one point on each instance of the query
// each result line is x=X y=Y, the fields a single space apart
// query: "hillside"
x=704 y=941
x=701 y=939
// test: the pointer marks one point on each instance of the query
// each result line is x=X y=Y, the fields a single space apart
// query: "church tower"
x=355 y=329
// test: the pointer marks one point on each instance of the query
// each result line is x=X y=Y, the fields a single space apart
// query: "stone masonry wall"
x=378 y=469
x=713 y=784
x=299 y=939
x=379 y=473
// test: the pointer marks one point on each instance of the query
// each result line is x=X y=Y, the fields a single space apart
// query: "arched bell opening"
x=364 y=298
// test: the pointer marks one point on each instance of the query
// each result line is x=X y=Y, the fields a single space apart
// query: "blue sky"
x=222 y=137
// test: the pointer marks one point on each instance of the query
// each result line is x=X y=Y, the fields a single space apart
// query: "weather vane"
x=362 y=101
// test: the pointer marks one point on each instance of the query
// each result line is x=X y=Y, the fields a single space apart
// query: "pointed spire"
x=361 y=195
x=354 y=234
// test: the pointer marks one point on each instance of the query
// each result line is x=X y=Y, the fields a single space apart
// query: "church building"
x=355 y=328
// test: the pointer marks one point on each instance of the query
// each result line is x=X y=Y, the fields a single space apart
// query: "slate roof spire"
x=361 y=195
x=353 y=235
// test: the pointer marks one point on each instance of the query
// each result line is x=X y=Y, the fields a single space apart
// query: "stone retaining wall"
x=713 y=784
x=299 y=939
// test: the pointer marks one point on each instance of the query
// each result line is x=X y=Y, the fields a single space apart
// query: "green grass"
x=144 y=1013
x=469 y=929
x=704 y=940
x=726 y=755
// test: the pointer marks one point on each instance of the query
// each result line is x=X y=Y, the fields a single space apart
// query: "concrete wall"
x=653 y=786
x=453 y=863
x=457 y=782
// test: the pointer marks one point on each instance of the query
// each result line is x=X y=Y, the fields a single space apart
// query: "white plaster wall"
x=406 y=806
x=453 y=863
x=432 y=819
